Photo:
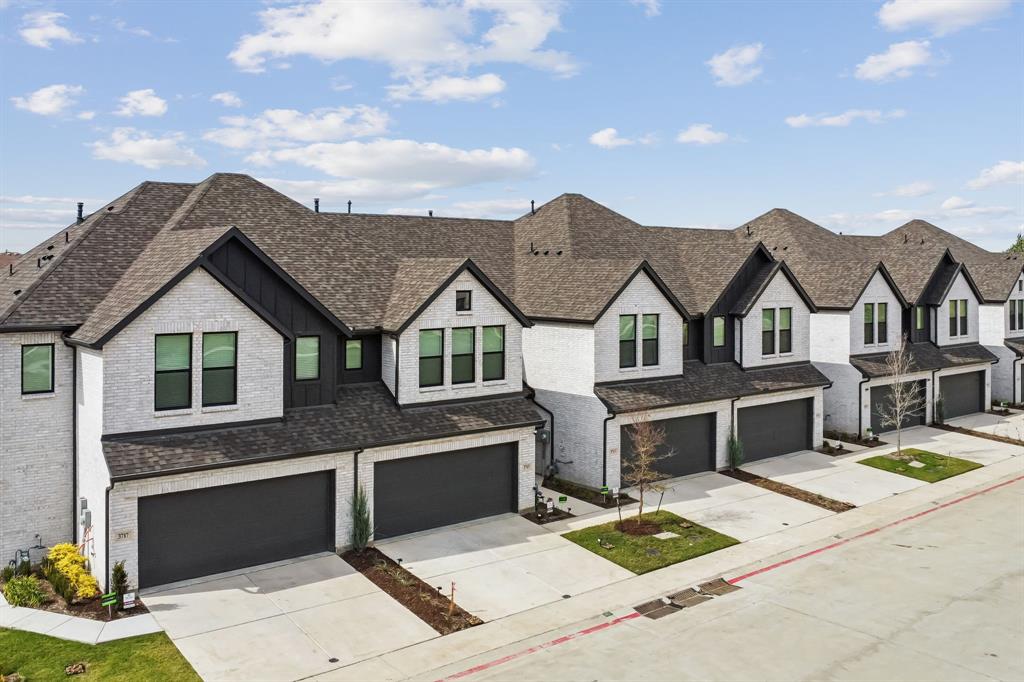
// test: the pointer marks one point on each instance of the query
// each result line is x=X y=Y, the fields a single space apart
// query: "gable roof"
x=760 y=282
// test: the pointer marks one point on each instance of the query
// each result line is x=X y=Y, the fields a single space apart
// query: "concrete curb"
x=73 y=628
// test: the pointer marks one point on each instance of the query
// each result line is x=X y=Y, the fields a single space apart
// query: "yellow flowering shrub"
x=69 y=563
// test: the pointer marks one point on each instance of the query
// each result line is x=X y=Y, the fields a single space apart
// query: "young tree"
x=905 y=397
x=1018 y=245
x=647 y=438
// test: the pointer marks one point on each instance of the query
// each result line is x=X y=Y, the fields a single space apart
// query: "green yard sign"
x=108 y=599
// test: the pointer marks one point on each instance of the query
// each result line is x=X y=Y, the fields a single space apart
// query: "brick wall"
x=959 y=290
x=993 y=327
x=196 y=305
x=36 y=435
x=779 y=293
x=877 y=291
x=441 y=314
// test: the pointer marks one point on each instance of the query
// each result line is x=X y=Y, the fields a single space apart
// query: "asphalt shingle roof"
x=365 y=415
x=703 y=383
x=925 y=356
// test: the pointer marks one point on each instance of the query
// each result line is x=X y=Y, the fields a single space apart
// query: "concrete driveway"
x=1011 y=426
x=283 y=622
x=502 y=566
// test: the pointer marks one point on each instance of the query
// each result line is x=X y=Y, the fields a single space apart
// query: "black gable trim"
x=647 y=269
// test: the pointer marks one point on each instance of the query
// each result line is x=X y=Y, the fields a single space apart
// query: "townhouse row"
x=198 y=378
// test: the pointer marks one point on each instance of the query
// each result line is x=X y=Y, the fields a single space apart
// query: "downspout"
x=933 y=394
x=1016 y=382
x=74 y=444
x=106 y=540
x=860 y=410
x=604 y=449
x=397 y=356
x=551 y=420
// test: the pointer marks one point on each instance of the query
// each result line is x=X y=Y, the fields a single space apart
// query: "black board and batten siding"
x=724 y=305
x=247 y=271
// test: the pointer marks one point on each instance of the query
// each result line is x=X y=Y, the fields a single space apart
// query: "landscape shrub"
x=362 y=529
x=119 y=581
x=23 y=590
x=6 y=573
x=65 y=568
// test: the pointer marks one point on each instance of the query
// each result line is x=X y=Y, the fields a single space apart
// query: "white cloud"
x=1004 y=172
x=396 y=169
x=899 y=61
x=447 y=88
x=913 y=189
x=737 y=65
x=844 y=119
x=491 y=208
x=411 y=37
x=123 y=26
x=701 y=133
x=652 y=8
x=609 y=138
x=49 y=101
x=228 y=99
x=86 y=115
x=280 y=127
x=35 y=199
x=142 y=103
x=40 y=29
x=958 y=207
x=128 y=145
x=941 y=17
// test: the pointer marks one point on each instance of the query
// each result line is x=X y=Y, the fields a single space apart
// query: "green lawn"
x=631 y=551
x=38 y=657
x=936 y=467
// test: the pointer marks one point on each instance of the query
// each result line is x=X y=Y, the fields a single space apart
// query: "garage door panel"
x=880 y=396
x=776 y=428
x=211 y=530
x=962 y=394
x=690 y=440
x=418 y=493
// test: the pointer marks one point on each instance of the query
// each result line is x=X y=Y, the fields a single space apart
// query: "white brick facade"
x=993 y=328
x=196 y=305
x=780 y=293
x=36 y=435
x=441 y=314
x=865 y=397
x=959 y=290
x=93 y=475
x=1016 y=294
x=640 y=297
x=877 y=291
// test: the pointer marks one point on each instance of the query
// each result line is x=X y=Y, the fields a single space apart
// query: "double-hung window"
x=1013 y=315
x=963 y=317
x=173 y=372
x=768 y=331
x=220 y=370
x=883 y=322
x=869 y=323
x=307 y=358
x=919 y=317
x=431 y=357
x=686 y=339
x=353 y=354
x=952 y=317
x=494 y=353
x=650 y=340
x=627 y=340
x=718 y=331
x=785 y=330
x=1020 y=315
x=464 y=355
x=37 y=368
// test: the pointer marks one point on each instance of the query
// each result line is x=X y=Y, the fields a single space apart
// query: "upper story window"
x=431 y=357
x=37 y=368
x=220 y=371
x=173 y=366
x=650 y=340
x=463 y=301
x=785 y=330
x=1020 y=285
x=1020 y=314
x=1013 y=315
x=919 y=317
x=463 y=355
x=627 y=340
x=494 y=353
x=869 y=323
x=353 y=353
x=768 y=331
x=307 y=358
x=883 y=322
x=718 y=331
x=958 y=317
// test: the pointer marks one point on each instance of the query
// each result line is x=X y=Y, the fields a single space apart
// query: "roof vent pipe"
x=748 y=230
x=81 y=205
x=430 y=213
x=350 y=206
x=316 y=204
x=532 y=209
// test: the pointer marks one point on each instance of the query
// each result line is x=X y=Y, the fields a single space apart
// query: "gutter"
x=551 y=420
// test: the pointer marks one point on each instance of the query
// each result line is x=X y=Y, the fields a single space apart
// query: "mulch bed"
x=979 y=434
x=89 y=608
x=631 y=527
x=853 y=438
x=422 y=599
x=833 y=452
x=1000 y=411
x=587 y=494
x=546 y=516
x=789 y=491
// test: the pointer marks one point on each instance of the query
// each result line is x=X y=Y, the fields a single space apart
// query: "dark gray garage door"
x=199 y=532
x=880 y=397
x=691 y=441
x=775 y=429
x=962 y=394
x=417 y=493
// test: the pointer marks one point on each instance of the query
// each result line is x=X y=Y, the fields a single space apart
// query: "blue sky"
x=859 y=116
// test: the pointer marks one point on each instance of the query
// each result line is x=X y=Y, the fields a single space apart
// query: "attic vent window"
x=463 y=301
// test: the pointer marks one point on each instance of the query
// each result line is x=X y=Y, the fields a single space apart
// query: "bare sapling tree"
x=647 y=438
x=906 y=399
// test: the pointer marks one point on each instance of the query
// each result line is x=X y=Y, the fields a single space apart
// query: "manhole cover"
x=665 y=535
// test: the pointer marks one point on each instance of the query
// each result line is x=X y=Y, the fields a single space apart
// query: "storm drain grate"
x=684 y=599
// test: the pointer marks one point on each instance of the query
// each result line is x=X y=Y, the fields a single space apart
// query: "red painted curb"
x=872 y=531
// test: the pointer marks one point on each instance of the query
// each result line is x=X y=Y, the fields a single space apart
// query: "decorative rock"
x=917 y=465
x=665 y=535
x=74 y=669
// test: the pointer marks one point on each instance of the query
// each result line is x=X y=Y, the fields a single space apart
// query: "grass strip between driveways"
x=936 y=467
x=644 y=553
x=39 y=657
